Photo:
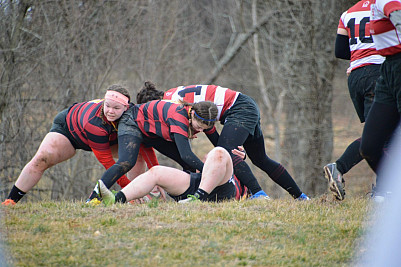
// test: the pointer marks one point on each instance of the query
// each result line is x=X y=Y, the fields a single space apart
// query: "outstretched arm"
x=186 y=153
x=128 y=149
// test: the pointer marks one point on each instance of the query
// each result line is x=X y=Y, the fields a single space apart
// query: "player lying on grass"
x=215 y=183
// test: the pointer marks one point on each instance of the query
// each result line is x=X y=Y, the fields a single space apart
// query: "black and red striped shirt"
x=163 y=118
x=90 y=131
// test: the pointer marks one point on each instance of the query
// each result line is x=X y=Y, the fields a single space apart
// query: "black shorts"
x=388 y=87
x=222 y=192
x=60 y=126
x=245 y=114
x=361 y=86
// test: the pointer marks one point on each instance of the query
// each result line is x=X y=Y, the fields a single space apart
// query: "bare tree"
x=55 y=53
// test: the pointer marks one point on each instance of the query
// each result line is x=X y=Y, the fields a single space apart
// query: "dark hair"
x=148 y=93
x=205 y=112
x=121 y=89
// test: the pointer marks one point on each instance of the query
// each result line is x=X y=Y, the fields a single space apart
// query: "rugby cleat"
x=302 y=197
x=107 y=196
x=190 y=198
x=260 y=195
x=336 y=181
x=8 y=202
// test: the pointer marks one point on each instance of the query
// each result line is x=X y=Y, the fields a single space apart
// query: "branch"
x=233 y=50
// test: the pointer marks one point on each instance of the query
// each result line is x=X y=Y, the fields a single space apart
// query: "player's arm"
x=186 y=153
x=212 y=135
x=395 y=18
x=342 y=49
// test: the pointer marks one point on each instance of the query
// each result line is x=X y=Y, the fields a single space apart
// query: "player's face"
x=113 y=110
x=198 y=126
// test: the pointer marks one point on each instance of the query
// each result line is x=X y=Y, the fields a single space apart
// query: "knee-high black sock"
x=350 y=157
x=16 y=194
x=281 y=177
x=245 y=175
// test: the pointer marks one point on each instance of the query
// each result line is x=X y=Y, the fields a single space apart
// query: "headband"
x=202 y=118
x=116 y=96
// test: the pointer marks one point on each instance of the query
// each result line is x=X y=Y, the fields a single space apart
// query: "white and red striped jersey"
x=356 y=22
x=385 y=35
x=224 y=98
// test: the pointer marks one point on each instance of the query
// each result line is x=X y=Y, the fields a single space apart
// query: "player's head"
x=116 y=101
x=202 y=116
x=148 y=93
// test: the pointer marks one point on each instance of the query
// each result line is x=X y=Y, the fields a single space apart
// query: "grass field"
x=321 y=232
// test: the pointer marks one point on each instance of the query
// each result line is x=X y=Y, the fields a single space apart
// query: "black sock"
x=201 y=194
x=120 y=197
x=350 y=157
x=245 y=176
x=16 y=194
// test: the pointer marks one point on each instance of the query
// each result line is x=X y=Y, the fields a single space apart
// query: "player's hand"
x=239 y=152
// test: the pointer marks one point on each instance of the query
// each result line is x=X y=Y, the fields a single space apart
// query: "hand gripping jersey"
x=385 y=35
x=224 y=98
x=356 y=22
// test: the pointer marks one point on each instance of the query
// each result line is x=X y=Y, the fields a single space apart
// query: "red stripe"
x=228 y=100
x=277 y=172
x=149 y=156
x=382 y=26
x=210 y=93
x=362 y=53
x=169 y=93
x=151 y=116
x=390 y=7
x=190 y=98
x=75 y=120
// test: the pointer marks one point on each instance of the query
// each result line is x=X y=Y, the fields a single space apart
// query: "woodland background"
x=56 y=53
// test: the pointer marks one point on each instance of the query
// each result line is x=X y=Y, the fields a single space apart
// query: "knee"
x=219 y=153
x=42 y=160
x=155 y=173
x=126 y=166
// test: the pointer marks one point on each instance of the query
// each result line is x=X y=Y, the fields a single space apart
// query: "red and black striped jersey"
x=224 y=98
x=163 y=118
x=84 y=121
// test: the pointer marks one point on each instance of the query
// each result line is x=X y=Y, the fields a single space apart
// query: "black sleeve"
x=213 y=138
x=342 y=49
x=128 y=149
x=186 y=153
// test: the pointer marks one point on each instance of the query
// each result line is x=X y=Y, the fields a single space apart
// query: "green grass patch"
x=249 y=233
